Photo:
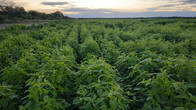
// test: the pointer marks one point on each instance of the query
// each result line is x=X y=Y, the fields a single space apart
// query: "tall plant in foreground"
x=98 y=87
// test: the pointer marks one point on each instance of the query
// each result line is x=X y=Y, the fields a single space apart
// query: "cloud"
x=88 y=10
x=54 y=3
x=161 y=7
x=6 y=2
x=134 y=14
x=106 y=13
x=189 y=1
x=175 y=5
x=168 y=5
x=72 y=8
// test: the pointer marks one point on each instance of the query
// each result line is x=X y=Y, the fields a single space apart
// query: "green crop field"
x=99 y=64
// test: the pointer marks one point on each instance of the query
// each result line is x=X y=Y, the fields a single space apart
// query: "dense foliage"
x=115 y=64
x=15 y=12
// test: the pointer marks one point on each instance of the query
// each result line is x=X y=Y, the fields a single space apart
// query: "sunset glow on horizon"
x=105 y=7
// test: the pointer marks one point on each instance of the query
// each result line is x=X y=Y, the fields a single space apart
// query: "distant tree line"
x=14 y=12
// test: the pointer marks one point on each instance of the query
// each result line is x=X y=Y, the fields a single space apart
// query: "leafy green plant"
x=8 y=97
x=98 y=87
x=89 y=47
x=146 y=64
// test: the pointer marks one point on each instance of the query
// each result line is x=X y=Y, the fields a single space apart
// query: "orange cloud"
x=70 y=12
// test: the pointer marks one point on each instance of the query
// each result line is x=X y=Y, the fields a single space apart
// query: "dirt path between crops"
x=27 y=23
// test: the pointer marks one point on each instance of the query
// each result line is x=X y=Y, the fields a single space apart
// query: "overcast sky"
x=113 y=8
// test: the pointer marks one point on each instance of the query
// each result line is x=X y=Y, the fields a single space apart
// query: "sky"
x=113 y=8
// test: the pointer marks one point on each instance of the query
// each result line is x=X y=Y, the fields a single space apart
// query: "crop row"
x=99 y=64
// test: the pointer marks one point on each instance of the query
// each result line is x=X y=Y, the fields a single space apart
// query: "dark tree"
x=14 y=12
x=57 y=14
